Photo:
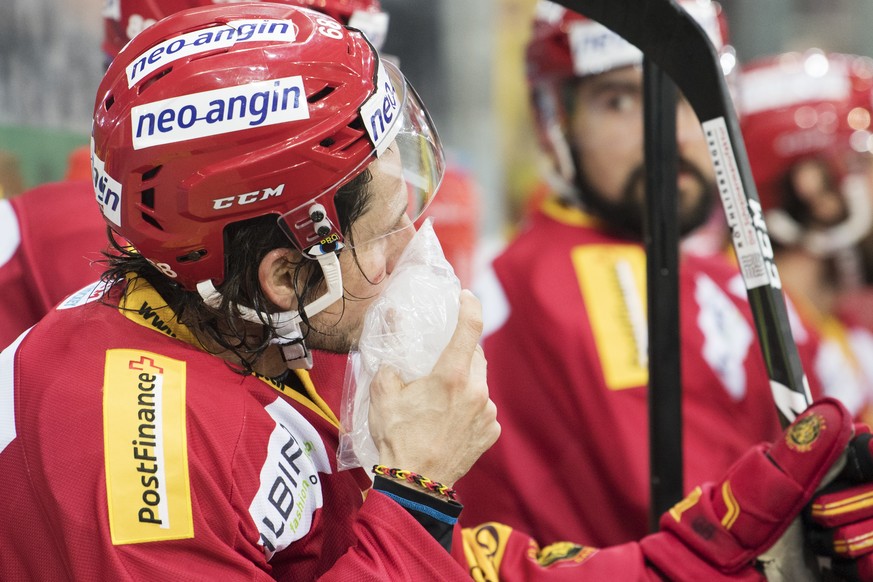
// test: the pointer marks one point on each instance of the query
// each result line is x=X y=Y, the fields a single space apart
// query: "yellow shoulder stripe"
x=569 y=215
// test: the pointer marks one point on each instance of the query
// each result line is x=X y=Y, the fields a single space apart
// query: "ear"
x=276 y=277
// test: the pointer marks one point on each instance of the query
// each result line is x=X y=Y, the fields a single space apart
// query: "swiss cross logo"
x=145 y=364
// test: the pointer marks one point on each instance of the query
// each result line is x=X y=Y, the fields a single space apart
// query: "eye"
x=622 y=102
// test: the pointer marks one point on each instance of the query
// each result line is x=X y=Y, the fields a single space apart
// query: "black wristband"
x=436 y=516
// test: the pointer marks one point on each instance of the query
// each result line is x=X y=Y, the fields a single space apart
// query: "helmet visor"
x=391 y=188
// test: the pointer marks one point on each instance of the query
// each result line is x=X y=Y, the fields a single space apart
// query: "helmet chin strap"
x=286 y=324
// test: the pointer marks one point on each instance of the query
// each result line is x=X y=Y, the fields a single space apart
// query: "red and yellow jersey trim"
x=852 y=545
x=843 y=506
x=555 y=209
x=485 y=549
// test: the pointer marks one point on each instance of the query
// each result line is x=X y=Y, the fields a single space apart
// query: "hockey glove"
x=840 y=517
x=726 y=525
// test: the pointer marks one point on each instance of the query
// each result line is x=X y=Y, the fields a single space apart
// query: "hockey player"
x=265 y=167
x=565 y=309
x=52 y=237
x=53 y=230
x=273 y=204
x=805 y=118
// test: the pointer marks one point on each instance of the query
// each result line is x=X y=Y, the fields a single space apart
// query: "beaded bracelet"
x=419 y=480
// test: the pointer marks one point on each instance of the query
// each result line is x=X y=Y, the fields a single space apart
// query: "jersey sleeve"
x=495 y=551
x=392 y=545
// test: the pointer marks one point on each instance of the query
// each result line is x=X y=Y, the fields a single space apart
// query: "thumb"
x=457 y=355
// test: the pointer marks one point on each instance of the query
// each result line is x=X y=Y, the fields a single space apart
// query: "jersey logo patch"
x=484 y=548
x=145 y=447
x=92 y=292
x=289 y=493
x=563 y=553
x=612 y=279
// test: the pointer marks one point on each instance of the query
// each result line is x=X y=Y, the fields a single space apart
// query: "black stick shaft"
x=661 y=232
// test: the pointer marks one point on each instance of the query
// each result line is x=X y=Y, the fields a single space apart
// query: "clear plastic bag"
x=407 y=327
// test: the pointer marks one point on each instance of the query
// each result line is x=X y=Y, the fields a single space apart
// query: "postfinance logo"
x=145 y=447
x=219 y=111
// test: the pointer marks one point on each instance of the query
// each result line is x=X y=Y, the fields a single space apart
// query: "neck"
x=270 y=363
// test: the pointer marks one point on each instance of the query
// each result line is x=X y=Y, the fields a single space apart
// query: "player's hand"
x=840 y=517
x=440 y=424
x=725 y=526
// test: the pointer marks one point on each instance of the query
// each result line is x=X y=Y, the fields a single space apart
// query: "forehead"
x=624 y=76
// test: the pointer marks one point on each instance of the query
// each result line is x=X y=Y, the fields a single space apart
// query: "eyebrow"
x=600 y=87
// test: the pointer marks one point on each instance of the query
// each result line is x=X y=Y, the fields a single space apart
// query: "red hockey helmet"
x=124 y=19
x=809 y=106
x=221 y=114
x=565 y=46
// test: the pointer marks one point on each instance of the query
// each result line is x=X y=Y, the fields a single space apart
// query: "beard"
x=627 y=214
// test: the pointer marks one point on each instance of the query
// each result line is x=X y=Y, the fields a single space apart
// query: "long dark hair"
x=246 y=243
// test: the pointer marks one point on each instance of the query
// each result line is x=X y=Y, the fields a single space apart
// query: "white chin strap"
x=286 y=324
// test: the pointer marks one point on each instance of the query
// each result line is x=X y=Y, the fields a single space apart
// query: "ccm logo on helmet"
x=219 y=111
x=247 y=198
x=213 y=38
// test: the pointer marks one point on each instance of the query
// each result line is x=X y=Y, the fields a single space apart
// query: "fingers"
x=385 y=381
x=457 y=357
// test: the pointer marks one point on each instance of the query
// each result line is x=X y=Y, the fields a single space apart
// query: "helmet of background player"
x=124 y=19
x=806 y=122
x=221 y=114
x=565 y=46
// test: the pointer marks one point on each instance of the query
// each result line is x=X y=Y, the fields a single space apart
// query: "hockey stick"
x=661 y=234
x=676 y=42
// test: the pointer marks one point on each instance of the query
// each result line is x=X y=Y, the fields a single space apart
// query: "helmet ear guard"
x=286 y=325
x=552 y=122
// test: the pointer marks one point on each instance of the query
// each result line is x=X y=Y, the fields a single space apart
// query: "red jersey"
x=566 y=343
x=48 y=238
x=843 y=361
x=129 y=454
x=135 y=455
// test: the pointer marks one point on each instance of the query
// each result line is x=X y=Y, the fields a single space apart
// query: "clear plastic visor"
x=403 y=179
